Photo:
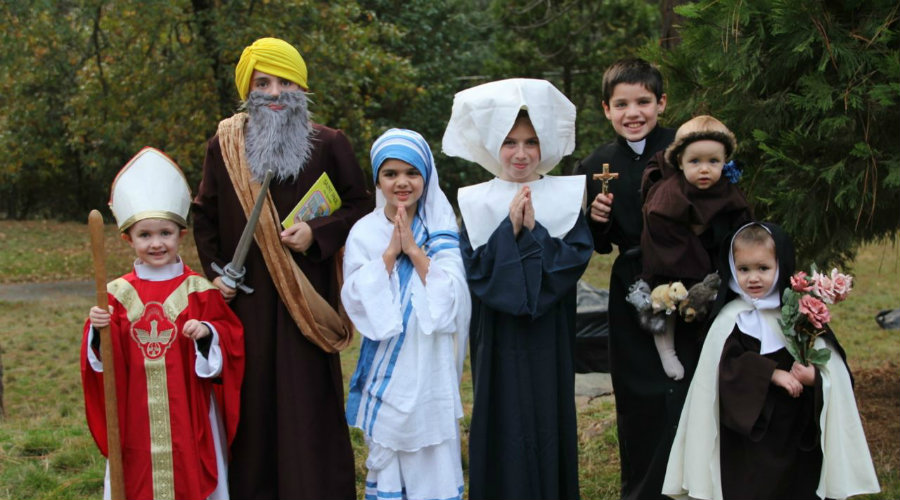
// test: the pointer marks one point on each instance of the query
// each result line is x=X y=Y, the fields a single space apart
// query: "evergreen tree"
x=571 y=43
x=812 y=91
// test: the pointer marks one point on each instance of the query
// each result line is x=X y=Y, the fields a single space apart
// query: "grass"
x=47 y=452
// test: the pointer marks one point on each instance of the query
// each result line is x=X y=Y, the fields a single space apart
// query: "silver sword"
x=234 y=272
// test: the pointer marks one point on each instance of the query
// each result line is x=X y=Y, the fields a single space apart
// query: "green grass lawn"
x=46 y=450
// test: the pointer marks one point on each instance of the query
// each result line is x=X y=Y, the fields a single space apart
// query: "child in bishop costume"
x=525 y=243
x=405 y=290
x=178 y=348
x=756 y=423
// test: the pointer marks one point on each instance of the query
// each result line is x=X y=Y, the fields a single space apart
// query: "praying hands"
x=521 y=211
x=403 y=241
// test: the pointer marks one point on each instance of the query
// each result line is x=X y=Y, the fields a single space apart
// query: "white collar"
x=557 y=205
x=158 y=273
x=637 y=146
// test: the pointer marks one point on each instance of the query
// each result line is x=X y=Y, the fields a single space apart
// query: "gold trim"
x=163 y=466
x=122 y=290
x=177 y=301
x=152 y=214
x=174 y=304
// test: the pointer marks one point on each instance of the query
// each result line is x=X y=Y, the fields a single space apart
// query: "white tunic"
x=410 y=396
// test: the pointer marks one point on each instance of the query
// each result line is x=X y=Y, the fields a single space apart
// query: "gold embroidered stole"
x=324 y=328
x=153 y=329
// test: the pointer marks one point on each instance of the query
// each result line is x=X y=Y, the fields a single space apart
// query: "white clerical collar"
x=638 y=146
x=557 y=201
x=158 y=273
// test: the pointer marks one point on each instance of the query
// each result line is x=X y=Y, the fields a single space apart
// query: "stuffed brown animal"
x=666 y=297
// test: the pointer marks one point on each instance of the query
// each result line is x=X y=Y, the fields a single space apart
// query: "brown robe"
x=770 y=440
x=685 y=226
x=292 y=440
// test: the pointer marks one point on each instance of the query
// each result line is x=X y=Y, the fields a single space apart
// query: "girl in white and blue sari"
x=405 y=290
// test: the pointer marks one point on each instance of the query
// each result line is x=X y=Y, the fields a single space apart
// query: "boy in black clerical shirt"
x=648 y=402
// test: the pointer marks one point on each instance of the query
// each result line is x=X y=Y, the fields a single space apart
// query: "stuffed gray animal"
x=639 y=297
x=696 y=306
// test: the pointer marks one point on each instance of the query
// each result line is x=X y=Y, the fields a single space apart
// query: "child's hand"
x=99 y=317
x=298 y=237
x=517 y=210
x=528 y=213
x=227 y=292
x=194 y=329
x=407 y=240
x=394 y=246
x=601 y=207
x=806 y=375
x=788 y=381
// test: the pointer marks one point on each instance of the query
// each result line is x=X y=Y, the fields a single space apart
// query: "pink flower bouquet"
x=804 y=312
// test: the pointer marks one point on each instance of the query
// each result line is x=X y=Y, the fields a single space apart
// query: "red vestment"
x=164 y=426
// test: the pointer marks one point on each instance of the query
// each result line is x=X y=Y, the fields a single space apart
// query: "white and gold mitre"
x=150 y=186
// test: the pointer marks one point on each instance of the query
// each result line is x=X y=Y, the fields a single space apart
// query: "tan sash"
x=324 y=328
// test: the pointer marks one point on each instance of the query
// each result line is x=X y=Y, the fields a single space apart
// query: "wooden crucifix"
x=605 y=177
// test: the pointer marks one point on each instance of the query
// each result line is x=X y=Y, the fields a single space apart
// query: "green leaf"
x=819 y=357
x=791 y=345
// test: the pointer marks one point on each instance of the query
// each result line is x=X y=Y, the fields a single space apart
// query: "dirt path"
x=25 y=292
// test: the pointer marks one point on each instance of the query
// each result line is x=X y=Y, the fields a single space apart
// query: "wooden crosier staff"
x=113 y=445
x=606 y=176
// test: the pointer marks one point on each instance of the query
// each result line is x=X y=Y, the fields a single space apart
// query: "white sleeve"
x=370 y=296
x=94 y=361
x=211 y=365
x=444 y=299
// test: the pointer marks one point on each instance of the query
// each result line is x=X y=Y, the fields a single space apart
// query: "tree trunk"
x=669 y=36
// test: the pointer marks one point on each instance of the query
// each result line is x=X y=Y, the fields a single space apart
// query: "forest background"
x=811 y=89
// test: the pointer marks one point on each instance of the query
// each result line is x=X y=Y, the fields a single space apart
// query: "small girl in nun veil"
x=405 y=290
x=525 y=243
x=756 y=423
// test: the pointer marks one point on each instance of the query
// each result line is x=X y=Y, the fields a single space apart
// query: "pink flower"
x=815 y=310
x=799 y=283
x=842 y=284
x=823 y=287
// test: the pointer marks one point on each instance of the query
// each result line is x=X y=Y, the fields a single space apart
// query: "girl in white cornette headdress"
x=405 y=290
x=525 y=243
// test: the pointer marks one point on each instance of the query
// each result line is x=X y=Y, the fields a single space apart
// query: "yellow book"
x=321 y=199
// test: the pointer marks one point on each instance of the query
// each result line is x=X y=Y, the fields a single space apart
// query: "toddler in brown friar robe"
x=691 y=202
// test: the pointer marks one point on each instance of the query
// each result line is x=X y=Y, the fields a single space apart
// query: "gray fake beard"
x=278 y=140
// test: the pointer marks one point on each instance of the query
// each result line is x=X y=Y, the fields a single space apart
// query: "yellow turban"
x=273 y=56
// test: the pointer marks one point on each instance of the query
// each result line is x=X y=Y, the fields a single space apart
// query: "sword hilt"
x=233 y=278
